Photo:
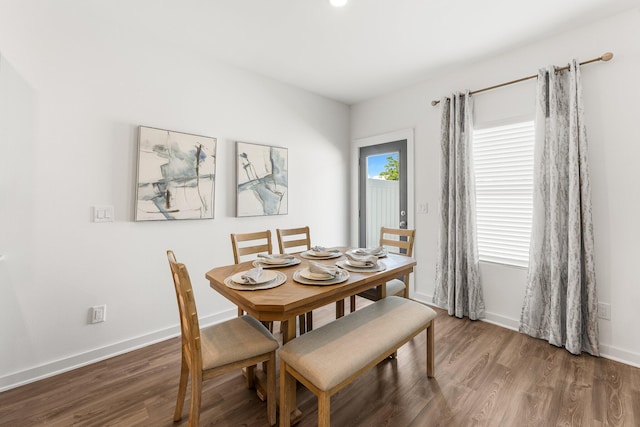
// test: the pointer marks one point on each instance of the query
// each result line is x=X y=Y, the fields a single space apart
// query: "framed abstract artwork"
x=176 y=175
x=262 y=180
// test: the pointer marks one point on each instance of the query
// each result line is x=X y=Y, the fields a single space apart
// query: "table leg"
x=288 y=330
x=339 y=308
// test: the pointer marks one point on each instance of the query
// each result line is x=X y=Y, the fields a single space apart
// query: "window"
x=503 y=163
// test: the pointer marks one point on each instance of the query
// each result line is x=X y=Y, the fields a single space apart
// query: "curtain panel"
x=458 y=287
x=560 y=303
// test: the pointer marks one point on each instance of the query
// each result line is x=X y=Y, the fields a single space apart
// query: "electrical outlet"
x=604 y=310
x=98 y=313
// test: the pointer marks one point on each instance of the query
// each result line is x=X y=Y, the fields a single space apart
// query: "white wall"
x=73 y=93
x=610 y=93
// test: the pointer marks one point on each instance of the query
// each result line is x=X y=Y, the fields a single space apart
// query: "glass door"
x=382 y=190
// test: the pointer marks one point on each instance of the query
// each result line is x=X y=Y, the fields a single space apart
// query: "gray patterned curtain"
x=560 y=302
x=458 y=286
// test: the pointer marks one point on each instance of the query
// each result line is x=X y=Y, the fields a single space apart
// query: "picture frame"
x=175 y=175
x=262 y=180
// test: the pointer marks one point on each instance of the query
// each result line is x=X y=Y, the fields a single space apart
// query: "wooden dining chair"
x=298 y=239
x=401 y=240
x=254 y=243
x=244 y=244
x=250 y=244
x=242 y=342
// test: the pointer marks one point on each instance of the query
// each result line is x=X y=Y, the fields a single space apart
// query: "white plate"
x=275 y=260
x=355 y=251
x=343 y=277
x=312 y=255
x=279 y=280
x=358 y=264
x=265 y=277
x=317 y=276
x=258 y=262
x=380 y=266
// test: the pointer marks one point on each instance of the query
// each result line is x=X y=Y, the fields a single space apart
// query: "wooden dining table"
x=291 y=299
x=285 y=302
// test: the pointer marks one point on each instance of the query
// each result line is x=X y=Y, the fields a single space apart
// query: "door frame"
x=356 y=144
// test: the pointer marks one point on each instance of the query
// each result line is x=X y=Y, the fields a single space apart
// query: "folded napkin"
x=369 y=251
x=252 y=276
x=323 y=250
x=321 y=271
x=362 y=260
x=277 y=258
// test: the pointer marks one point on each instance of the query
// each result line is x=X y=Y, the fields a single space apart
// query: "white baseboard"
x=56 y=367
x=606 y=351
x=620 y=355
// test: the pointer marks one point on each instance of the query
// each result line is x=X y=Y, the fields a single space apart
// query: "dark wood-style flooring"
x=485 y=376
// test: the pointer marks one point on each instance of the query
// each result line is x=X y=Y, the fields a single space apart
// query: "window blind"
x=503 y=166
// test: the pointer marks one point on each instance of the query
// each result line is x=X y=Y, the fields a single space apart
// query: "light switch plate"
x=103 y=214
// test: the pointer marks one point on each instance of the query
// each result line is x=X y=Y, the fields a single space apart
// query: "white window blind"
x=503 y=163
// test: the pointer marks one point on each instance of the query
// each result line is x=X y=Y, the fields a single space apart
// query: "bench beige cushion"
x=329 y=355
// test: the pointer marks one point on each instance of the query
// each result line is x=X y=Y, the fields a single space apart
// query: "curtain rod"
x=605 y=57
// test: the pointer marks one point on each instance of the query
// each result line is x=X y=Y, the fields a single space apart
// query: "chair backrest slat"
x=402 y=239
x=301 y=238
x=250 y=243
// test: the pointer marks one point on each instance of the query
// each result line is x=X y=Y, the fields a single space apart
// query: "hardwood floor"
x=485 y=376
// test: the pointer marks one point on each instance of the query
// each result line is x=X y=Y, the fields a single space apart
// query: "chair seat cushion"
x=332 y=353
x=395 y=287
x=236 y=339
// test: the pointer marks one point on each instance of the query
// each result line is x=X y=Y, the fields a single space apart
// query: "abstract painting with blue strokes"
x=176 y=175
x=262 y=178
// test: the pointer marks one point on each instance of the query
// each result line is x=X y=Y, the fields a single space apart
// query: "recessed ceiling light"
x=338 y=3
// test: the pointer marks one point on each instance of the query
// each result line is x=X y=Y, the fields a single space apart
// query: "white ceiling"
x=350 y=54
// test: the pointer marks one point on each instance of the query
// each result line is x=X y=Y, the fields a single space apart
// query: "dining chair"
x=254 y=243
x=242 y=342
x=293 y=238
x=401 y=240
x=250 y=244
x=298 y=238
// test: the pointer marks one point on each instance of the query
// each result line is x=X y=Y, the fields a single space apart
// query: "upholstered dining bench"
x=329 y=358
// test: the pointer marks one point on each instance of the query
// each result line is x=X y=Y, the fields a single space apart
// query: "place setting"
x=320 y=252
x=319 y=274
x=379 y=252
x=275 y=260
x=255 y=279
x=361 y=263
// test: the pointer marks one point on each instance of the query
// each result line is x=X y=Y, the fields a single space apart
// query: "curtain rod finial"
x=606 y=56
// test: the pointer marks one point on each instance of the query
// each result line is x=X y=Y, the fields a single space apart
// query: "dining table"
x=285 y=302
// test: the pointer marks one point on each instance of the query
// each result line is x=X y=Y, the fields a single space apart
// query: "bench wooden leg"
x=251 y=376
x=324 y=409
x=287 y=395
x=430 y=350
